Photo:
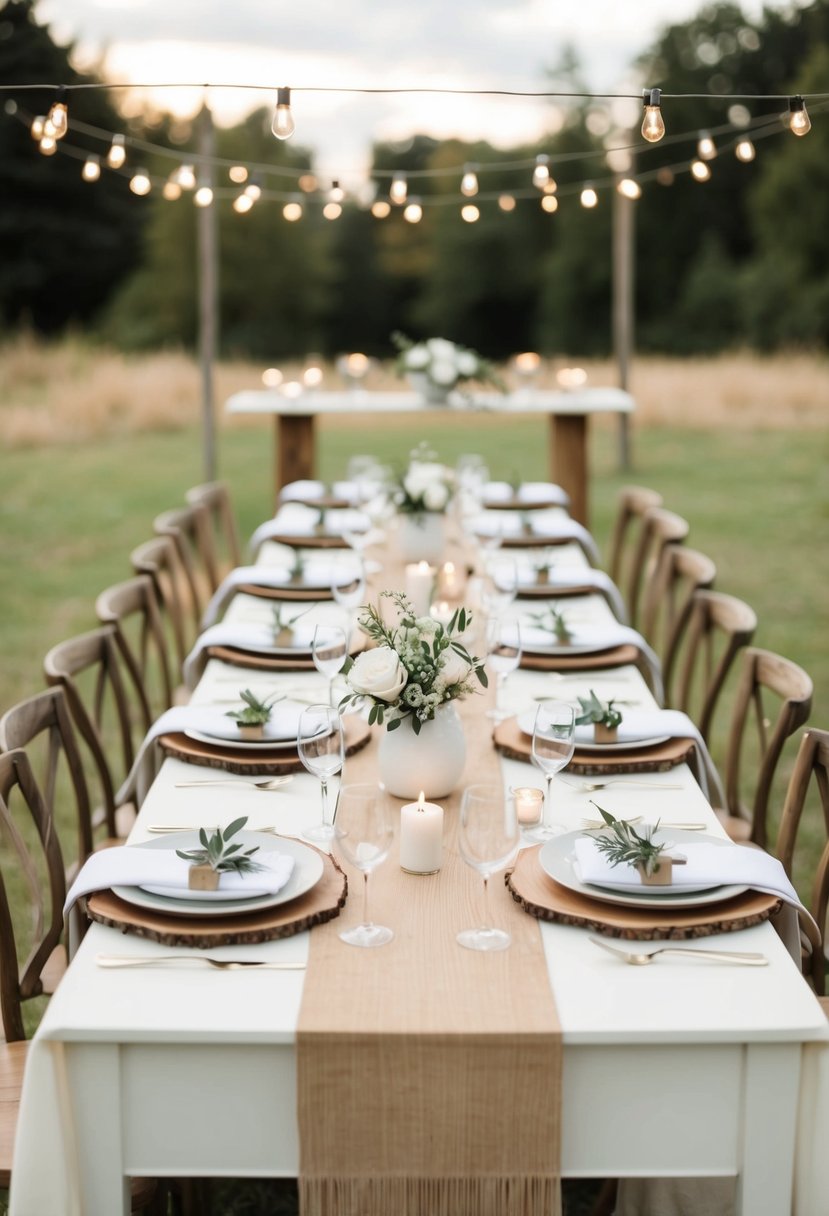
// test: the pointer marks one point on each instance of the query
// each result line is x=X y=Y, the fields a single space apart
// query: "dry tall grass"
x=70 y=391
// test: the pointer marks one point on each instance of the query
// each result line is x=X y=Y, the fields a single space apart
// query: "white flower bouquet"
x=416 y=666
x=425 y=485
x=444 y=364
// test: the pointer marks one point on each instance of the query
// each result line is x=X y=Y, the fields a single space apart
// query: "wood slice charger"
x=302 y=661
x=511 y=741
x=321 y=903
x=264 y=761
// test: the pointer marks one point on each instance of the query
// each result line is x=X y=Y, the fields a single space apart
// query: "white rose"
x=420 y=475
x=435 y=497
x=378 y=673
x=444 y=371
x=441 y=348
x=416 y=358
x=467 y=363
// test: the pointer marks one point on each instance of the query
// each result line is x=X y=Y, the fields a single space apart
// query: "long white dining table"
x=678 y=1069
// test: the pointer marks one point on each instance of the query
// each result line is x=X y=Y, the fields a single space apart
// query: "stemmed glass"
x=499 y=585
x=488 y=840
x=552 y=749
x=364 y=835
x=321 y=749
x=503 y=654
x=348 y=586
x=329 y=650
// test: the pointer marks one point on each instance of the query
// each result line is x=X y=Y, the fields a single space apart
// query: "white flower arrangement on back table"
x=445 y=364
x=425 y=485
x=416 y=666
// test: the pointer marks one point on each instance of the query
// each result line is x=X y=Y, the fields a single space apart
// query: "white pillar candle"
x=417 y=584
x=450 y=582
x=421 y=837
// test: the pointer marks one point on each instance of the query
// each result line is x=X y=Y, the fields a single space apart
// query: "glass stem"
x=486 y=925
x=366 y=920
x=548 y=801
x=324 y=796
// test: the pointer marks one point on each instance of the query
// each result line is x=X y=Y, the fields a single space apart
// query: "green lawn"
x=757 y=504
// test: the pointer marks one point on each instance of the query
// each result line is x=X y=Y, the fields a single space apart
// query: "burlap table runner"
x=429 y=1076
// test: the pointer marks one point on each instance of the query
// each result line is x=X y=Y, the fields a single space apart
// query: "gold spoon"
x=744 y=958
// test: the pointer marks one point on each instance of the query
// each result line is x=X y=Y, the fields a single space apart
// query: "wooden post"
x=568 y=461
x=208 y=280
x=623 y=248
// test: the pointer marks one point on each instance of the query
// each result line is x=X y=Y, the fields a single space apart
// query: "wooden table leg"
x=568 y=460
x=294 y=450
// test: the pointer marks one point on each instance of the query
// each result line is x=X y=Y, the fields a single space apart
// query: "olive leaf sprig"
x=624 y=844
x=220 y=855
x=595 y=711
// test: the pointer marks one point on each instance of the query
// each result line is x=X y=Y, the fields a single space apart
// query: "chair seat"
x=54 y=969
x=739 y=830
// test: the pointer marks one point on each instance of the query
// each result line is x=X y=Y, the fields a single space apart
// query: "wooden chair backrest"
x=30 y=928
x=811 y=772
x=42 y=727
x=719 y=626
x=215 y=496
x=159 y=558
x=756 y=738
x=667 y=604
x=659 y=528
x=132 y=608
x=632 y=503
x=108 y=706
x=190 y=529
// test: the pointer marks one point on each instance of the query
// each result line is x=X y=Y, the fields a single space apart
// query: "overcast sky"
x=488 y=44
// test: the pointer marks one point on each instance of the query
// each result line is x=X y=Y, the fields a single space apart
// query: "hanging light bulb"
x=140 y=182
x=242 y=203
x=91 y=170
x=628 y=187
x=745 y=151
x=308 y=183
x=171 y=190
x=203 y=196
x=48 y=146
x=469 y=181
x=506 y=202
x=283 y=125
x=549 y=203
x=37 y=127
x=700 y=171
x=541 y=172
x=117 y=153
x=653 y=125
x=292 y=211
x=799 y=121
x=380 y=209
x=58 y=115
x=413 y=212
x=470 y=213
x=706 y=148
x=332 y=211
x=398 y=190
x=550 y=186
x=185 y=175
x=588 y=197
x=238 y=174
x=254 y=191
x=336 y=194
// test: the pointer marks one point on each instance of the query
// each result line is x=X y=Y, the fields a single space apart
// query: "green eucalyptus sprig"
x=624 y=844
x=297 y=566
x=554 y=621
x=255 y=712
x=220 y=855
x=598 y=712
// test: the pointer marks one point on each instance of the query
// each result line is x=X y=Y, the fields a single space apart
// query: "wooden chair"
x=668 y=596
x=132 y=608
x=32 y=894
x=756 y=739
x=810 y=773
x=190 y=528
x=111 y=715
x=659 y=528
x=160 y=560
x=227 y=552
x=719 y=626
x=632 y=503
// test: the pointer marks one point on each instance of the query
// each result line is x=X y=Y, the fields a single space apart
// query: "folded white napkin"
x=206 y=719
x=529 y=491
x=254 y=638
x=596 y=637
x=706 y=865
x=296 y=491
x=133 y=866
x=295 y=519
x=543 y=524
x=562 y=577
x=317 y=572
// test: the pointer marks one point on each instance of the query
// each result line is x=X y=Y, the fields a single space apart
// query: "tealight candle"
x=529 y=804
x=442 y=612
x=421 y=836
x=450 y=581
x=417 y=584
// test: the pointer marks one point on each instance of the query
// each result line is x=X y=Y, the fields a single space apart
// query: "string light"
x=91 y=170
x=706 y=148
x=48 y=145
x=398 y=190
x=413 y=212
x=469 y=181
x=117 y=153
x=242 y=203
x=550 y=186
x=799 y=121
x=332 y=211
x=588 y=197
x=308 y=183
x=541 y=172
x=628 y=187
x=171 y=190
x=185 y=175
x=336 y=194
x=549 y=203
x=140 y=182
x=293 y=211
x=380 y=209
x=506 y=202
x=700 y=171
x=58 y=116
x=37 y=126
x=470 y=213
x=253 y=191
x=203 y=196
x=238 y=174
x=283 y=125
x=653 y=124
x=745 y=151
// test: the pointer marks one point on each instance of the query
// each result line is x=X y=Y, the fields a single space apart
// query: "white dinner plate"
x=534 y=639
x=280 y=732
x=584 y=737
x=307 y=871
x=245 y=745
x=558 y=859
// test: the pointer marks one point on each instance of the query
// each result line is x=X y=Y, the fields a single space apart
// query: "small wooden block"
x=662 y=876
x=203 y=878
x=604 y=734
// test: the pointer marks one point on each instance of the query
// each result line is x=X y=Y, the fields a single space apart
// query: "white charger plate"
x=307 y=871
x=558 y=860
x=584 y=737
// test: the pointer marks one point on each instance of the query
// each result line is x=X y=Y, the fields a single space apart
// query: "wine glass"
x=348 y=586
x=364 y=835
x=503 y=654
x=488 y=840
x=499 y=585
x=321 y=749
x=552 y=749
x=329 y=650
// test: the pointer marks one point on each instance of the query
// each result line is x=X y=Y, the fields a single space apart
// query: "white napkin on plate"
x=296 y=491
x=529 y=491
x=566 y=577
x=255 y=638
x=706 y=865
x=318 y=572
x=295 y=519
x=543 y=524
x=205 y=719
x=133 y=866
x=535 y=639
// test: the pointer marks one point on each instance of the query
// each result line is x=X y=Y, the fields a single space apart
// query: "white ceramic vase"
x=421 y=536
x=434 y=394
x=432 y=761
